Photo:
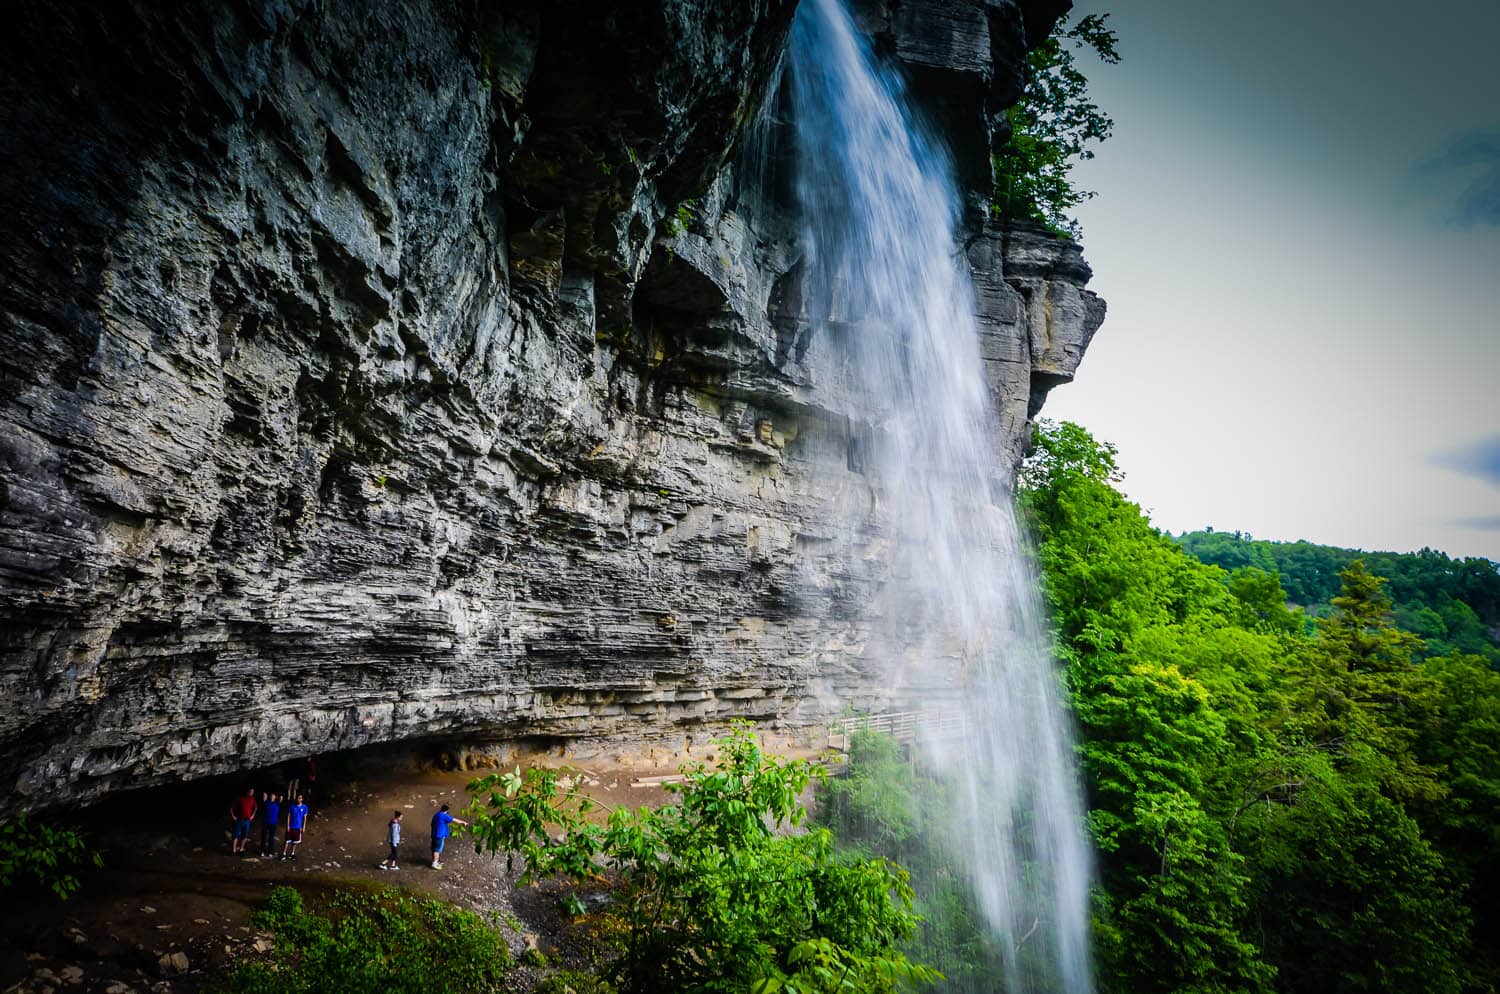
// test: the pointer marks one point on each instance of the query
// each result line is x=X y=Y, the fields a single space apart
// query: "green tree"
x=1453 y=604
x=1363 y=633
x=1263 y=602
x=1422 y=621
x=1350 y=897
x=1366 y=699
x=710 y=897
x=1146 y=632
x=1464 y=744
x=1053 y=126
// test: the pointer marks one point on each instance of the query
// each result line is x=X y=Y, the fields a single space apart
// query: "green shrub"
x=381 y=941
x=46 y=856
x=710 y=897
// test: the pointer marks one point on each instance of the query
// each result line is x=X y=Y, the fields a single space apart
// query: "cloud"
x=1489 y=524
x=1469 y=172
x=1481 y=459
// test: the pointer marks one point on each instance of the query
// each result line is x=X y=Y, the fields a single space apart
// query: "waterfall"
x=882 y=268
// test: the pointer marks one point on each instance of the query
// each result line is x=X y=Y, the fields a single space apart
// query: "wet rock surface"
x=407 y=371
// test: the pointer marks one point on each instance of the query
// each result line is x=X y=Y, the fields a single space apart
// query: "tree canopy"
x=1053 y=126
x=1453 y=604
x=1279 y=803
x=709 y=896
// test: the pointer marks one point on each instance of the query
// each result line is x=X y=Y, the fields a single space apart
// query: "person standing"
x=296 y=824
x=270 y=815
x=242 y=810
x=440 y=832
x=392 y=839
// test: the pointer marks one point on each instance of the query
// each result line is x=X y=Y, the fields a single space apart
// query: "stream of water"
x=882 y=259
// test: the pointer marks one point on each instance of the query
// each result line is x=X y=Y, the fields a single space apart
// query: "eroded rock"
x=377 y=371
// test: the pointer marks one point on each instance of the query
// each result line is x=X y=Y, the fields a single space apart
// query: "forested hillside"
x=1454 y=604
x=1275 y=809
x=1278 y=803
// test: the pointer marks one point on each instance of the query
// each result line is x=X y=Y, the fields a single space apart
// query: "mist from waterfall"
x=883 y=271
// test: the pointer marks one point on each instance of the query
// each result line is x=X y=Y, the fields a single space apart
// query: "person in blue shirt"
x=440 y=832
x=270 y=815
x=296 y=823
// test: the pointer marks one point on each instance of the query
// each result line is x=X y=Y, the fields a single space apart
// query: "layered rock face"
x=397 y=370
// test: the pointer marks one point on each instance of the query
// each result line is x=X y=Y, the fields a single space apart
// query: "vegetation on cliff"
x=1054 y=125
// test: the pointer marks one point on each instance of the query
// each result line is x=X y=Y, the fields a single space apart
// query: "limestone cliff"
x=397 y=370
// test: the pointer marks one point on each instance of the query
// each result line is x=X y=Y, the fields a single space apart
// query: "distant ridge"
x=1454 y=604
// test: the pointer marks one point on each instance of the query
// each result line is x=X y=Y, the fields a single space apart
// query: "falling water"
x=881 y=261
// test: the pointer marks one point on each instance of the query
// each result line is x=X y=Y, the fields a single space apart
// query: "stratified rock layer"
x=373 y=371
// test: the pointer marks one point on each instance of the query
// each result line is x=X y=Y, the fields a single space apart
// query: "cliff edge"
x=392 y=370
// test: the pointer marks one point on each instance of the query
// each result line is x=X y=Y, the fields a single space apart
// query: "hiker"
x=440 y=823
x=270 y=814
x=393 y=839
x=242 y=810
x=296 y=822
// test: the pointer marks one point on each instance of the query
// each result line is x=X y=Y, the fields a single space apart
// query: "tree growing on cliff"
x=1052 y=127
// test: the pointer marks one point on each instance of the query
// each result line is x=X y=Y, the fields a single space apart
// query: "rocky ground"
x=172 y=907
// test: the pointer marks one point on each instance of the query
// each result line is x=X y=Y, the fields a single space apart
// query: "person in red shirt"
x=242 y=810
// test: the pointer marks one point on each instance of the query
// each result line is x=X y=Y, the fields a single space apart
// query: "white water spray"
x=881 y=257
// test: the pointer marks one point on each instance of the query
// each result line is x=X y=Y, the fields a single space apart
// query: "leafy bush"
x=373 y=941
x=710 y=897
x=49 y=857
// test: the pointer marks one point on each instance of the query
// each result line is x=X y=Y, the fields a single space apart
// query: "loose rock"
x=173 y=963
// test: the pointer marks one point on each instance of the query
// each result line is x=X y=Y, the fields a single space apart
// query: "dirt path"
x=171 y=886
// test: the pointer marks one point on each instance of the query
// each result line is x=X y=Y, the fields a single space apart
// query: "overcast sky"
x=1298 y=234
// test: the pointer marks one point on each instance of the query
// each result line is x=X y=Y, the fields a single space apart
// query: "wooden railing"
x=905 y=727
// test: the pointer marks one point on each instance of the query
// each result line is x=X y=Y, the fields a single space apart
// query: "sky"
x=1297 y=231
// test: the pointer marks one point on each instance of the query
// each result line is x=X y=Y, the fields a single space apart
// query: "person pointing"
x=440 y=833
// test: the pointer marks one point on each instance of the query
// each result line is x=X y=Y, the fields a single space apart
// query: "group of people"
x=271 y=808
x=268 y=806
